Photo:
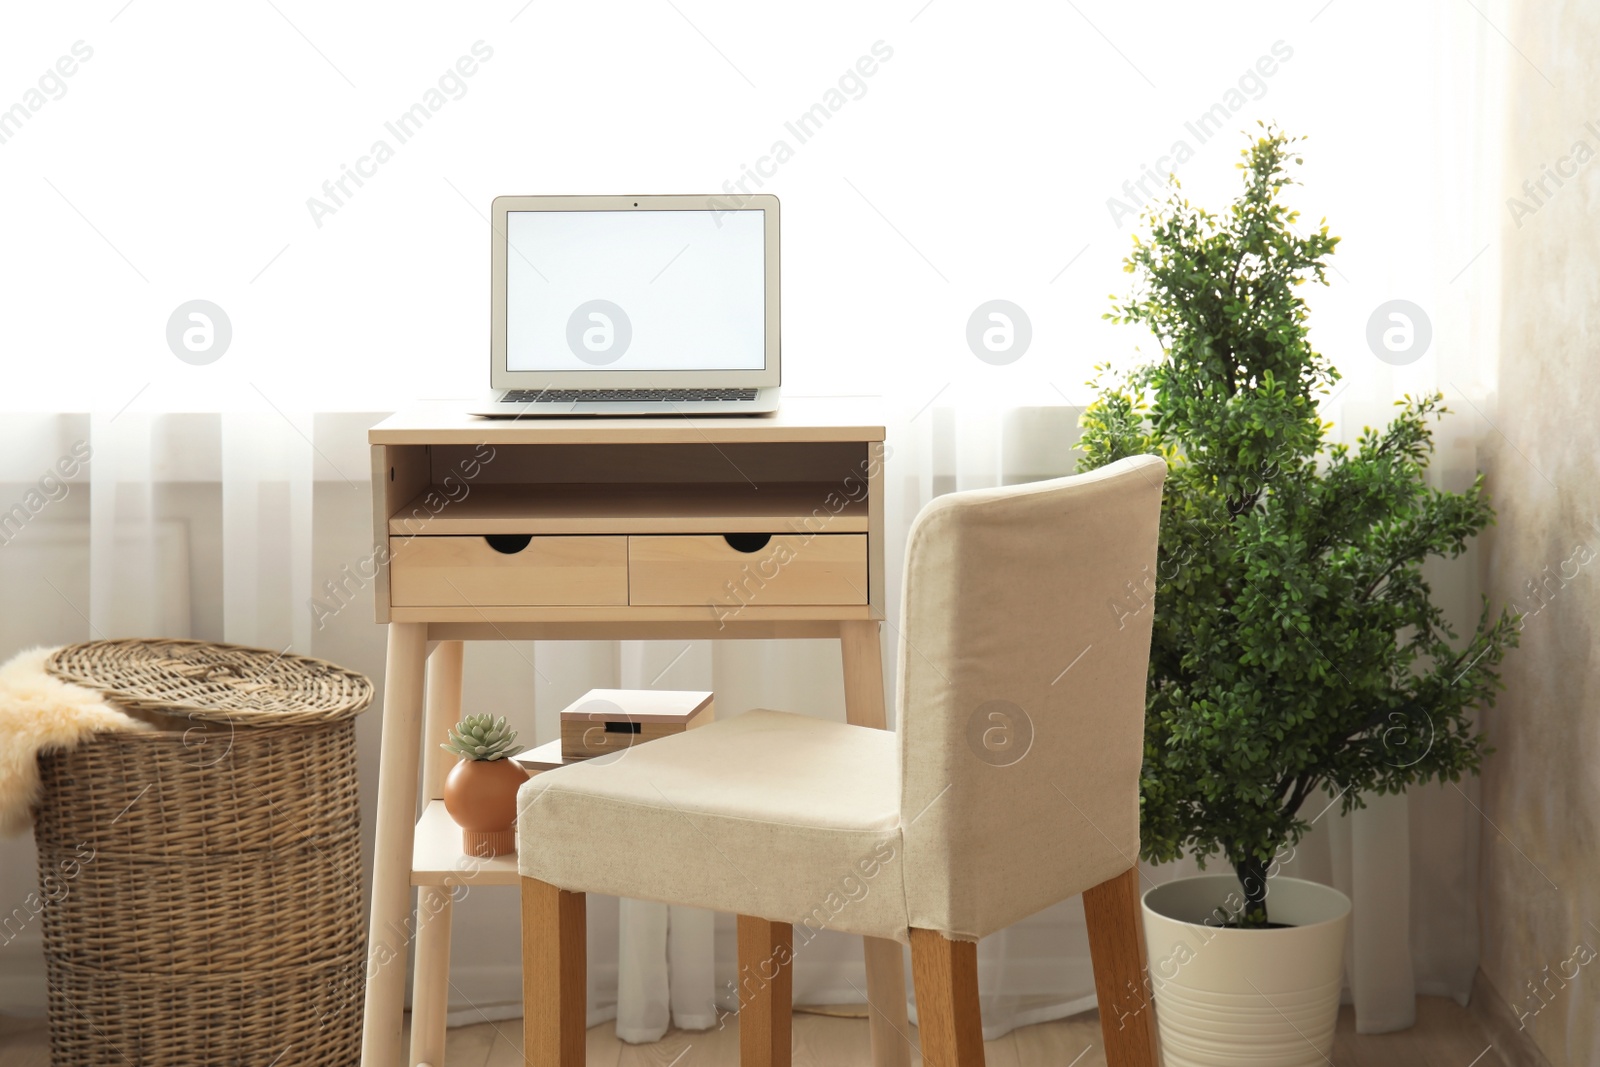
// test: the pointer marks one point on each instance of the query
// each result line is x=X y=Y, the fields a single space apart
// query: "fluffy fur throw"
x=40 y=713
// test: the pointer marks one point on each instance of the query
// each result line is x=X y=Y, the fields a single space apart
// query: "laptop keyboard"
x=623 y=396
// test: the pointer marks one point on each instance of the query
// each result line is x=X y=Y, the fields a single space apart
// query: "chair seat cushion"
x=786 y=817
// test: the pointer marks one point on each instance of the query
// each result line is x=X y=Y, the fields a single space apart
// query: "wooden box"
x=547 y=757
x=608 y=720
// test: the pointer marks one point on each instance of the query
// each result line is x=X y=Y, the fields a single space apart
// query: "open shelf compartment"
x=652 y=507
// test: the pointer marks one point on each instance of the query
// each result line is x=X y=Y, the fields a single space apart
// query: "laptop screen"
x=635 y=290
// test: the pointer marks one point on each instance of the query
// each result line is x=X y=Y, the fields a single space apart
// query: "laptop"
x=633 y=305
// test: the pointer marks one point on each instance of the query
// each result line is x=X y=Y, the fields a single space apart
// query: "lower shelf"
x=437 y=859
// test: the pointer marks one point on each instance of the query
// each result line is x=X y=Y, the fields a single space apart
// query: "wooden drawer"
x=775 y=570
x=544 y=571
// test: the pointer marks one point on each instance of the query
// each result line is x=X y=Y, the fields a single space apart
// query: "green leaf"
x=1296 y=649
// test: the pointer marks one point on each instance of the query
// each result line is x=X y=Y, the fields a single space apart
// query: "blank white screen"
x=692 y=292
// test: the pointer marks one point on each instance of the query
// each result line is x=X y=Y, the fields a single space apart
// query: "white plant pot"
x=1245 y=998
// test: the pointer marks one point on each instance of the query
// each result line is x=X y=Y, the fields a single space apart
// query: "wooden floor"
x=1445 y=1036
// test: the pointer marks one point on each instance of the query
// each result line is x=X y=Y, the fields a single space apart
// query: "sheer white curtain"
x=204 y=527
x=266 y=478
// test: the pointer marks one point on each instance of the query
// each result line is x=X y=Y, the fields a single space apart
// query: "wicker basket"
x=202 y=883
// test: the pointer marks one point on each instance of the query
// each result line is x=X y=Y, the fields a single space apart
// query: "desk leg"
x=430 y=984
x=886 y=973
x=399 y=758
x=430 y=981
x=444 y=711
x=863 y=674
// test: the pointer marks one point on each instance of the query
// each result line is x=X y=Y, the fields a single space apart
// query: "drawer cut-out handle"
x=508 y=544
x=623 y=727
x=747 y=542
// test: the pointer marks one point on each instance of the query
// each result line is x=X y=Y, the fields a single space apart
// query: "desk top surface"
x=847 y=418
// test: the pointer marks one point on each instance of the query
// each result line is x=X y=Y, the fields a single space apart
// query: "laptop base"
x=495 y=406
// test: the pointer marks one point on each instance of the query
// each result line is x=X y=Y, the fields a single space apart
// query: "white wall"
x=981 y=160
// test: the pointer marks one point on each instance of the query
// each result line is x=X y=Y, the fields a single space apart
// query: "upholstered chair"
x=1011 y=782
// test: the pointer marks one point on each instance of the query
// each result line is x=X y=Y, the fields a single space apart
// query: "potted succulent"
x=480 y=792
x=1296 y=647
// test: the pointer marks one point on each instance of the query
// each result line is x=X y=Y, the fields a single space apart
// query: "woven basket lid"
x=214 y=682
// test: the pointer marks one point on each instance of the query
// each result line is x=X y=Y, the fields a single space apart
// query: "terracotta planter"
x=481 y=796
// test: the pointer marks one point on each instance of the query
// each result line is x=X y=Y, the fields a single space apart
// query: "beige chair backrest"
x=1024 y=649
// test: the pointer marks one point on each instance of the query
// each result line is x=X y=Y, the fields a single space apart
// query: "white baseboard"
x=492 y=993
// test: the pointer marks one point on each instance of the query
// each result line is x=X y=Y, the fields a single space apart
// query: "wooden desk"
x=610 y=529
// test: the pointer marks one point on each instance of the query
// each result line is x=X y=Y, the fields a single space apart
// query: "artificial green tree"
x=1296 y=648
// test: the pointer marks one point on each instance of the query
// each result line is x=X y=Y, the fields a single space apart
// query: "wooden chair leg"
x=554 y=975
x=766 y=992
x=945 y=974
x=1116 y=945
